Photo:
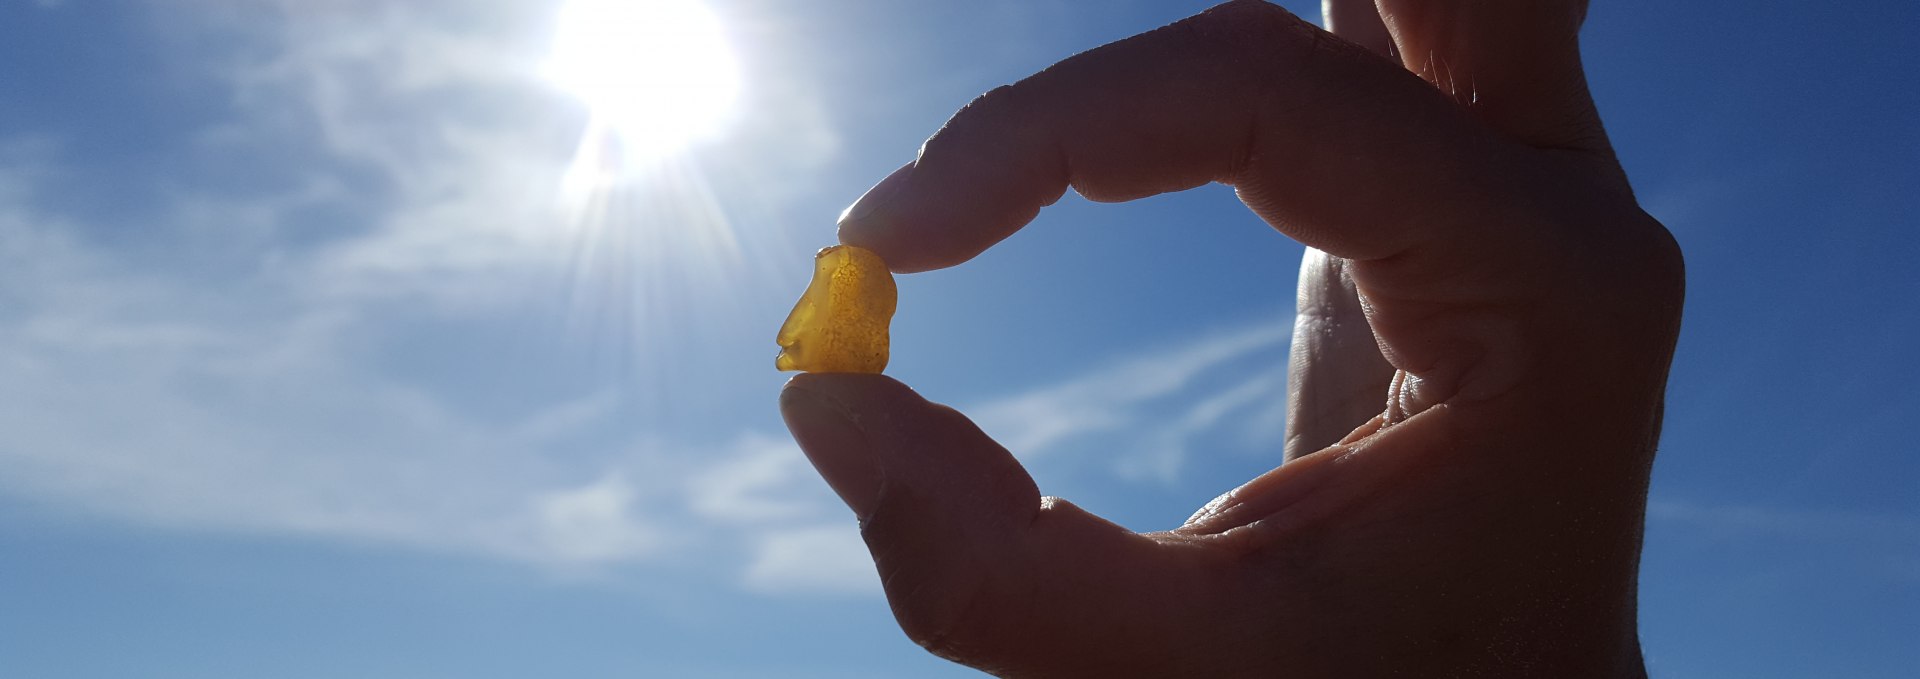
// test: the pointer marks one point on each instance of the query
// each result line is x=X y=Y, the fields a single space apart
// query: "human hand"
x=1483 y=520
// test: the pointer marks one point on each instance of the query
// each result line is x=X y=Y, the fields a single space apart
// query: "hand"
x=1484 y=517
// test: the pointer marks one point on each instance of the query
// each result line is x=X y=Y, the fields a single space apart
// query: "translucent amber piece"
x=840 y=323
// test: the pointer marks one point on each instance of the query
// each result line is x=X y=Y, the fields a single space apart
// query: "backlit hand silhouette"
x=1486 y=322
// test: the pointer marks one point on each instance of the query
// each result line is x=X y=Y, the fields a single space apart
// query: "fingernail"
x=877 y=196
x=838 y=449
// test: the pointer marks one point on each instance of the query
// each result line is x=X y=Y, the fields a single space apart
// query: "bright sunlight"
x=652 y=248
x=658 y=74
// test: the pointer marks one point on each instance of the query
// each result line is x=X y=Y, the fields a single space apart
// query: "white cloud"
x=568 y=418
x=1872 y=544
x=249 y=398
x=1129 y=400
x=479 y=196
x=1789 y=522
x=129 y=399
x=250 y=403
x=828 y=559
x=765 y=492
x=157 y=399
x=1167 y=446
x=595 y=523
x=154 y=399
x=768 y=485
x=764 y=482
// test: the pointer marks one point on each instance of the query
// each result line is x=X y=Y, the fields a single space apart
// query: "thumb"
x=878 y=443
x=977 y=566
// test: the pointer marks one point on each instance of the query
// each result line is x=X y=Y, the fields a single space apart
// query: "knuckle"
x=1635 y=245
x=1243 y=11
x=1628 y=273
x=987 y=117
x=1664 y=249
x=1663 y=264
x=999 y=104
x=953 y=622
x=1249 y=26
x=945 y=605
x=1269 y=42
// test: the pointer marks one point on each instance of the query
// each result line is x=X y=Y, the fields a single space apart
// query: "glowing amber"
x=840 y=323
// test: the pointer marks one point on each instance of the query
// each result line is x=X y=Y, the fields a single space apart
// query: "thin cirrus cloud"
x=169 y=401
x=150 y=399
x=1833 y=526
x=452 y=132
x=244 y=399
x=246 y=404
x=1143 y=412
x=243 y=420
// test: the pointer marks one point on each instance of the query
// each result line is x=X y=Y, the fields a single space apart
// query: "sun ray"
x=653 y=253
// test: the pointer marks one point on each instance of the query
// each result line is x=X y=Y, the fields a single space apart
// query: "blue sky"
x=312 y=366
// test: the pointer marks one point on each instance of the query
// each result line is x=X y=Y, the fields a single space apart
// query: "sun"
x=645 y=245
x=657 y=74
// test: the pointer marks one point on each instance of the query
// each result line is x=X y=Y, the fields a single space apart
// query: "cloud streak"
x=1147 y=408
x=1788 y=522
x=254 y=399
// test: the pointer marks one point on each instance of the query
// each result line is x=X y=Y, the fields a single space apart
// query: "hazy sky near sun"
x=342 y=339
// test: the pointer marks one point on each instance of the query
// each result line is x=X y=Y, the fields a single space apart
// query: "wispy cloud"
x=253 y=397
x=258 y=397
x=1142 y=411
x=595 y=523
x=762 y=481
x=1815 y=525
x=1826 y=543
x=124 y=403
x=824 y=559
x=145 y=398
x=444 y=147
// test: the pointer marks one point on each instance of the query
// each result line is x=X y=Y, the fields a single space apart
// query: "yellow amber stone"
x=840 y=323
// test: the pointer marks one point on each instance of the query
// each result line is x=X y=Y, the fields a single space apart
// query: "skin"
x=1487 y=319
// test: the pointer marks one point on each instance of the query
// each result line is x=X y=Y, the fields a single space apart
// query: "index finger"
x=1334 y=145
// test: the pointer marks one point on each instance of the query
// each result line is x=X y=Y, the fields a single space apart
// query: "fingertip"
x=909 y=238
x=854 y=392
x=839 y=449
x=901 y=251
x=985 y=174
x=877 y=221
x=918 y=443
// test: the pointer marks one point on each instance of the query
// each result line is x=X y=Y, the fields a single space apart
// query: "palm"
x=1336 y=378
